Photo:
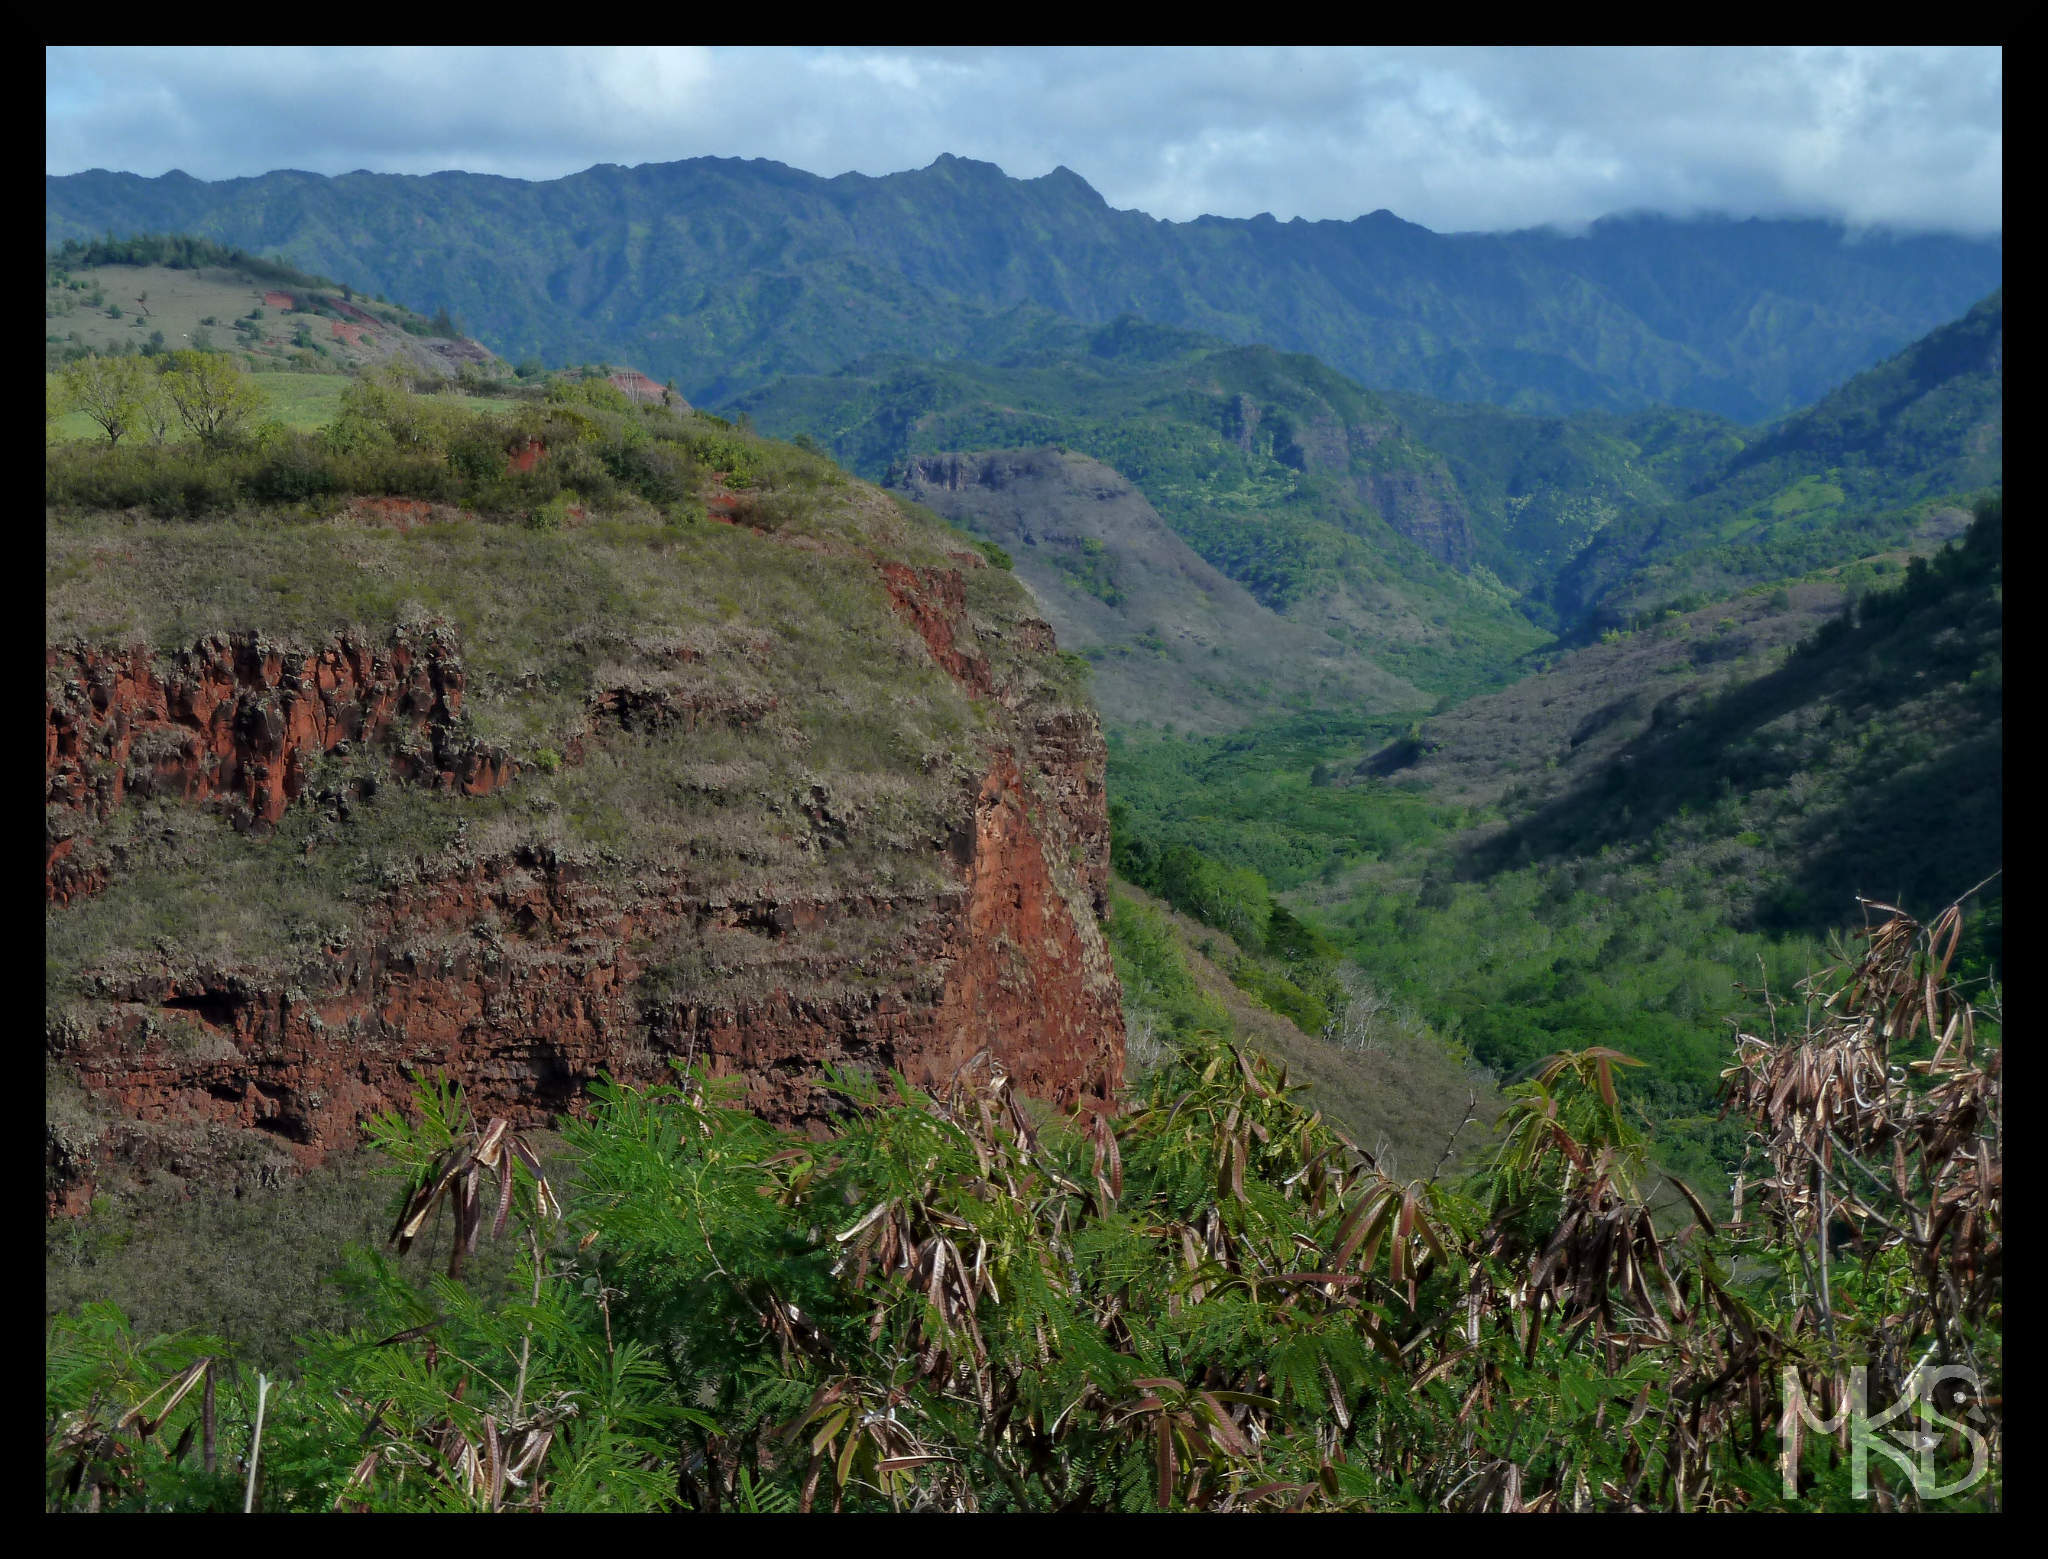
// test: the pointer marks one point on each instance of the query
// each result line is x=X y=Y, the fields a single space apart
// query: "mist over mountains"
x=725 y=274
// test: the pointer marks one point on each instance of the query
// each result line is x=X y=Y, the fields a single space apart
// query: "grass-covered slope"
x=170 y=292
x=1380 y=1075
x=727 y=273
x=736 y=770
x=380 y=749
x=724 y=619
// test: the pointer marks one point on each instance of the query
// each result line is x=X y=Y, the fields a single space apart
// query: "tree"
x=154 y=412
x=213 y=397
x=108 y=390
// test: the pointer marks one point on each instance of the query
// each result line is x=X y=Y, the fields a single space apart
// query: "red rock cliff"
x=525 y=975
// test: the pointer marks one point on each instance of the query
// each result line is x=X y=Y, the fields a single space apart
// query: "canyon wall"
x=523 y=971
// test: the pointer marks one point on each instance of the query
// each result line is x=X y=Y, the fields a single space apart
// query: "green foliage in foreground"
x=1213 y=1301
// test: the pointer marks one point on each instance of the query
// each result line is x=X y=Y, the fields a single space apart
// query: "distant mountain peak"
x=1066 y=178
x=948 y=161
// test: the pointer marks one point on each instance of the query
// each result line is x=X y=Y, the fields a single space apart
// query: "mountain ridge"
x=762 y=269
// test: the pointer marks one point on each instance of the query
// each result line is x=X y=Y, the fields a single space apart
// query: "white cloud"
x=1451 y=138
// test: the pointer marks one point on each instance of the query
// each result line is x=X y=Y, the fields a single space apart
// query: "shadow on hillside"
x=1895 y=723
x=1882 y=848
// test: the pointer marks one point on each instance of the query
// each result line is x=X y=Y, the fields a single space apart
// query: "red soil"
x=637 y=385
x=401 y=513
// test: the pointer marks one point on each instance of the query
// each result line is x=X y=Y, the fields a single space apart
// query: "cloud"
x=1455 y=139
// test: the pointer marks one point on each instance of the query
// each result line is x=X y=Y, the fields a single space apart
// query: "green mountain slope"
x=1277 y=470
x=1866 y=764
x=1858 y=471
x=1539 y=489
x=725 y=273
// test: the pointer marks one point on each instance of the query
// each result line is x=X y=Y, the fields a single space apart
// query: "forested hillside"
x=724 y=274
x=1280 y=473
x=1287 y=477
x=1540 y=489
x=1851 y=475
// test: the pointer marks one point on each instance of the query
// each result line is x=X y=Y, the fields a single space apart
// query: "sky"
x=1468 y=139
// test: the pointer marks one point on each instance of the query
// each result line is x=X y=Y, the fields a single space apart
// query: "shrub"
x=295 y=469
x=600 y=393
x=554 y=514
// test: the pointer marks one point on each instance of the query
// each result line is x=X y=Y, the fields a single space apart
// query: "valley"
x=1056 y=673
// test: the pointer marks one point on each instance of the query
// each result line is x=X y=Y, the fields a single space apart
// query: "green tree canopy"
x=214 y=399
x=110 y=390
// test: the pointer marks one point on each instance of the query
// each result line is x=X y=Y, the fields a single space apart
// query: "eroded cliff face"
x=236 y=719
x=525 y=971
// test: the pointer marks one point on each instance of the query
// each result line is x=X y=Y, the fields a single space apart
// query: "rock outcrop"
x=237 y=719
x=525 y=972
